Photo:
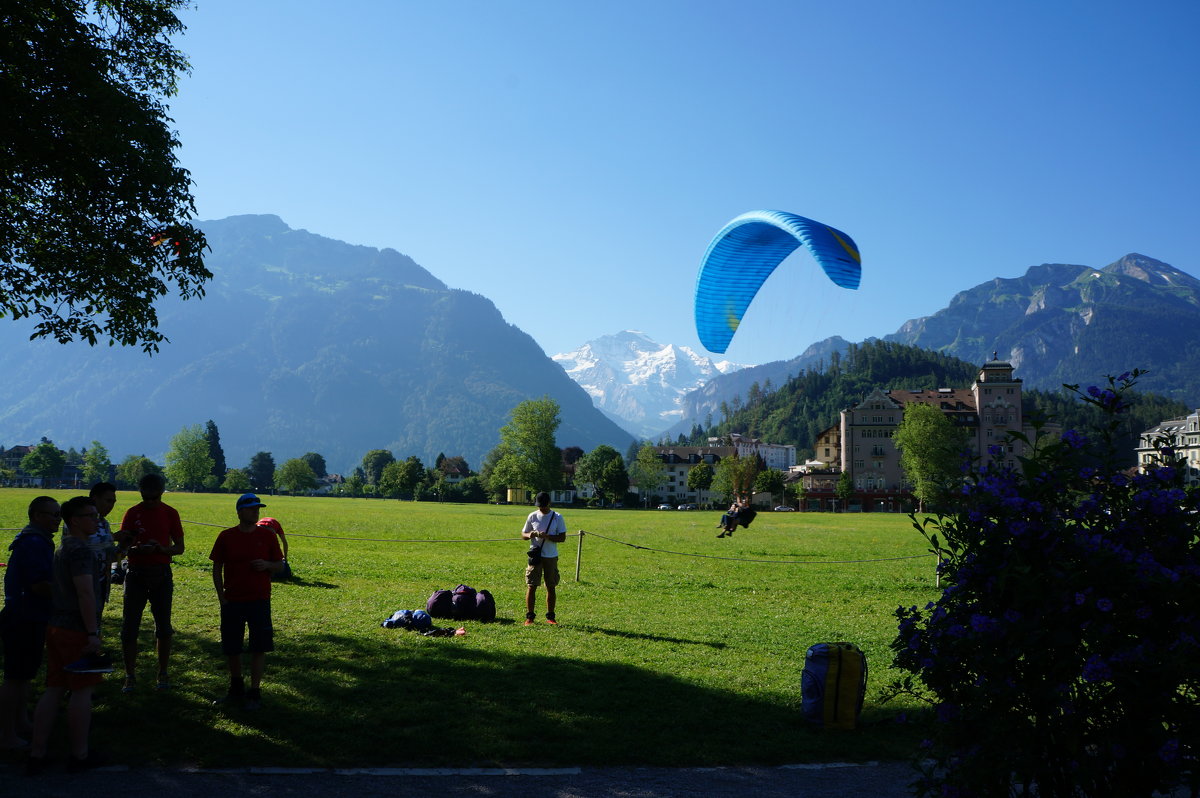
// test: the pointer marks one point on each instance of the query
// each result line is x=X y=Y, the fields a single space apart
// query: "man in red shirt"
x=152 y=534
x=244 y=557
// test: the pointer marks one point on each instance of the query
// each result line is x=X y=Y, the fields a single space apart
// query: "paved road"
x=874 y=780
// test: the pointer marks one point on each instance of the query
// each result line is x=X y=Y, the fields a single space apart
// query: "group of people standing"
x=54 y=601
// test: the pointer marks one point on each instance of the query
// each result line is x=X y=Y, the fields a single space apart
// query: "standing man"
x=72 y=639
x=544 y=529
x=152 y=534
x=27 y=596
x=244 y=557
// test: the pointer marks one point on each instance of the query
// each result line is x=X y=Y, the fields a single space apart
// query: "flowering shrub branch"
x=1062 y=657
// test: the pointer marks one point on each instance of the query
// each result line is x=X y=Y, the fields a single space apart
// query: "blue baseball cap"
x=248 y=500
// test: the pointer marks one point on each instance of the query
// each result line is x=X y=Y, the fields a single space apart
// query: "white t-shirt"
x=552 y=524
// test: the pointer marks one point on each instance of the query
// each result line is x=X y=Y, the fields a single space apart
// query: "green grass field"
x=659 y=658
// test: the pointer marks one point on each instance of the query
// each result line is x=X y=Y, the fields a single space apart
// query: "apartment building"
x=1183 y=435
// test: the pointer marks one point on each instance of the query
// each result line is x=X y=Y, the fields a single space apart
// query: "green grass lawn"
x=659 y=658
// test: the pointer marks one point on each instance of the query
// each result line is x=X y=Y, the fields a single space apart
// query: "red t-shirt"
x=234 y=549
x=159 y=524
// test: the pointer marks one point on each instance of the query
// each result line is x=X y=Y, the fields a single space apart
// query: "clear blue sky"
x=571 y=161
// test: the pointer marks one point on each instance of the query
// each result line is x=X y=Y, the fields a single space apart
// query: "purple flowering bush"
x=1063 y=656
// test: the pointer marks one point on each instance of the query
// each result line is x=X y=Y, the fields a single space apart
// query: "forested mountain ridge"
x=302 y=343
x=805 y=405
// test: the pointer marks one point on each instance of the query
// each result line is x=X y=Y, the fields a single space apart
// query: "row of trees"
x=527 y=458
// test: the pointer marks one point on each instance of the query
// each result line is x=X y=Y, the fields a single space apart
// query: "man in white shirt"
x=544 y=529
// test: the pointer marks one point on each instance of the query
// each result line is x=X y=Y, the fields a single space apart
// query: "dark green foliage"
x=94 y=208
x=1061 y=655
x=261 y=471
x=45 y=461
x=214 y=449
x=1144 y=411
x=316 y=462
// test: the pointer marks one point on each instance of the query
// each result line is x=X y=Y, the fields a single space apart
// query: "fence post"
x=937 y=573
x=579 y=555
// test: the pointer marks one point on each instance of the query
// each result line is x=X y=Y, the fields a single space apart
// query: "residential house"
x=1181 y=434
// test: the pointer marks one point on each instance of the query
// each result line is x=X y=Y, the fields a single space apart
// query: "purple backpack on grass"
x=440 y=604
x=462 y=603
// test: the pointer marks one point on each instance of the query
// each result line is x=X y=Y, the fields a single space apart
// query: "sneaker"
x=253 y=699
x=130 y=685
x=721 y=535
x=90 y=762
x=36 y=765
x=552 y=622
x=91 y=663
x=529 y=621
x=163 y=682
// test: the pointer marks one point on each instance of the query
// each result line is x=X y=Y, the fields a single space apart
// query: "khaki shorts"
x=546 y=569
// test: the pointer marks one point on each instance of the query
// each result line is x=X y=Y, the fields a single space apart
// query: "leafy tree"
x=401 y=478
x=188 y=460
x=1061 y=554
x=94 y=225
x=931 y=452
x=261 y=471
x=353 y=486
x=373 y=463
x=96 y=465
x=236 y=481
x=631 y=452
x=45 y=461
x=317 y=463
x=531 y=459
x=769 y=481
x=735 y=476
x=472 y=489
x=604 y=469
x=133 y=468
x=296 y=476
x=214 y=449
x=800 y=492
x=487 y=473
x=844 y=489
x=648 y=472
x=700 y=477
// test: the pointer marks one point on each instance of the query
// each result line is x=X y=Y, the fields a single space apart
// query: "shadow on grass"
x=627 y=635
x=300 y=581
x=400 y=699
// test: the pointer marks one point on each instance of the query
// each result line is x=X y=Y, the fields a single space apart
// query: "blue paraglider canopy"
x=742 y=256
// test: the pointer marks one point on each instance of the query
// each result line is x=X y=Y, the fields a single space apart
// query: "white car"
x=783 y=508
x=665 y=507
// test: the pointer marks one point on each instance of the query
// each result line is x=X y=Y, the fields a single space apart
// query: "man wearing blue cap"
x=244 y=557
x=151 y=533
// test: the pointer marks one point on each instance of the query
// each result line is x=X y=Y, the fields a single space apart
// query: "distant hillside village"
x=855 y=467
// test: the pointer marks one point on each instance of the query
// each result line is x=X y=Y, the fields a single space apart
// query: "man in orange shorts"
x=72 y=637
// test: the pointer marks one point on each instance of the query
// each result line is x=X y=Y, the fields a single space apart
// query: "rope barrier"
x=581 y=533
x=743 y=559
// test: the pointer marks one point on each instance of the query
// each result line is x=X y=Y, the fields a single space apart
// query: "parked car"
x=665 y=507
x=783 y=508
x=688 y=507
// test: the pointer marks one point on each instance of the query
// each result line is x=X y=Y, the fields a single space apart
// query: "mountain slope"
x=638 y=382
x=1064 y=323
x=302 y=344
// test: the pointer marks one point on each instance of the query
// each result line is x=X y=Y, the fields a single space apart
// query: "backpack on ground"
x=462 y=603
x=833 y=685
x=440 y=604
x=485 y=606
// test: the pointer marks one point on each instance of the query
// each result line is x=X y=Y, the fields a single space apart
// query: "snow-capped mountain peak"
x=638 y=382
